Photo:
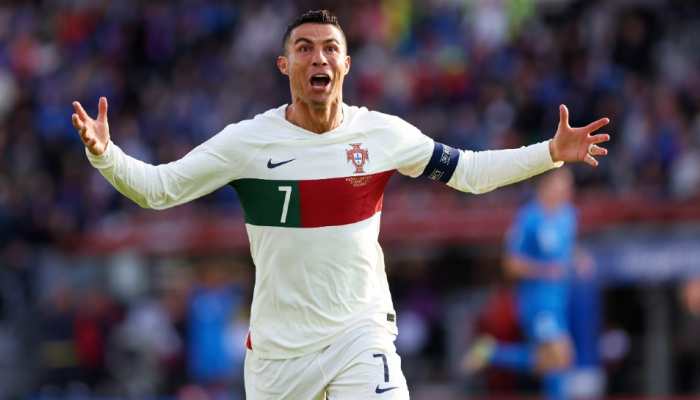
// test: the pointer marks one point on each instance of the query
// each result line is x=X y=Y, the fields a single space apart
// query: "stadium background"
x=98 y=297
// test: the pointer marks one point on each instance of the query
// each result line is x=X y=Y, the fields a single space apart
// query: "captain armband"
x=442 y=164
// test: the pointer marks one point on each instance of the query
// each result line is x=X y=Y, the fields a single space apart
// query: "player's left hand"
x=578 y=144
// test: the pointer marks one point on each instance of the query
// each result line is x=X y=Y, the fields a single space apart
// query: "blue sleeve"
x=518 y=234
x=572 y=232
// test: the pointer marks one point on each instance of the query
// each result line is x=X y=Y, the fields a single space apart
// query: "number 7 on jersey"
x=287 y=195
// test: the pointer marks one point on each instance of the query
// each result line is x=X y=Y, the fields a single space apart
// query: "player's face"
x=316 y=63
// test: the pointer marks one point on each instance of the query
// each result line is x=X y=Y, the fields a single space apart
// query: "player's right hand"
x=93 y=132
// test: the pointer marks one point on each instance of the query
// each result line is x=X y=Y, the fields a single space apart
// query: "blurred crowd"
x=125 y=326
x=474 y=74
x=479 y=75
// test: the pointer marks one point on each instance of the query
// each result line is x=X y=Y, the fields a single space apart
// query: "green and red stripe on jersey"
x=311 y=203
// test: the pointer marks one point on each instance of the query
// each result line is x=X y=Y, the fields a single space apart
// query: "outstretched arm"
x=204 y=169
x=480 y=172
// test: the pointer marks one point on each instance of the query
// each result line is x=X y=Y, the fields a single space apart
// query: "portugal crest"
x=358 y=157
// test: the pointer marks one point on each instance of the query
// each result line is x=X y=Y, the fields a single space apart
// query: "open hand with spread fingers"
x=578 y=144
x=93 y=132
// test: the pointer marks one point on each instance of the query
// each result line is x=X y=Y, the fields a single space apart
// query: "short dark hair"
x=313 y=17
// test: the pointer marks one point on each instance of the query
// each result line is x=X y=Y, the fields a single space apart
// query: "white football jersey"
x=312 y=205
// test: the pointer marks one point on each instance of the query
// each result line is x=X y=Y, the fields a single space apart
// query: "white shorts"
x=361 y=364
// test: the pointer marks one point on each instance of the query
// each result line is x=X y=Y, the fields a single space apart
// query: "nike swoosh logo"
x=271 y=165
x=379 y=390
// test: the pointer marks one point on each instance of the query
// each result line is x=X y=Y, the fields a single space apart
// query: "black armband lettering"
x=442 y=164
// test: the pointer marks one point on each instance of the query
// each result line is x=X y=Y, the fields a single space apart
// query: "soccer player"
x=540 y=257
x=311 y=176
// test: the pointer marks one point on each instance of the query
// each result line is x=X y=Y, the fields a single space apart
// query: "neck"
x=315 y=119
x=550 y=206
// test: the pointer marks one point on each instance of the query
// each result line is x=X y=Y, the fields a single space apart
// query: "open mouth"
x=320 y=81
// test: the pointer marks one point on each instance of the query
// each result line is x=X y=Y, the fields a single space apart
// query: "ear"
x=283 y=65
x=348 y=62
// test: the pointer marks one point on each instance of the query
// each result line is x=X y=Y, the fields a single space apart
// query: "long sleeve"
x=203 y=170
x=483 y=171
x=475 y=172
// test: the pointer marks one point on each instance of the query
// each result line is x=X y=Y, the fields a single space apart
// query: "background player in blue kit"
x=539 y=256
